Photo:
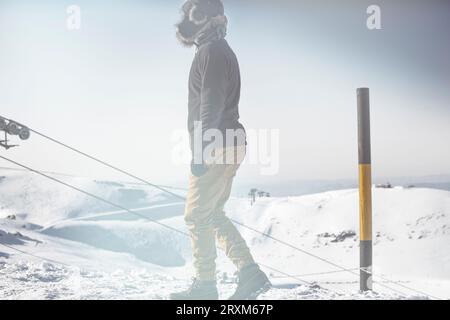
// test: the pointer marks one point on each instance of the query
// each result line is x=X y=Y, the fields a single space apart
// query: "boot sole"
x=261 y=291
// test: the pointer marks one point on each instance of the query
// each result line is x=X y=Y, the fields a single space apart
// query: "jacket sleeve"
x=214 y=88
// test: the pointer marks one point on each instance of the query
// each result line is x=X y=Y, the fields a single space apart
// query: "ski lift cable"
x=173 y=194
x=319 y=273
x=167 y=192
x=108 y=214
x=167 y=226
x=59 y=173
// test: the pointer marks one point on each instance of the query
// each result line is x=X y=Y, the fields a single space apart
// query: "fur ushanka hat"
x=199 y=11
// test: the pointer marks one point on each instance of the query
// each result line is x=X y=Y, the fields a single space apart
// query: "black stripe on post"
x=364 y=126
x=365 y=263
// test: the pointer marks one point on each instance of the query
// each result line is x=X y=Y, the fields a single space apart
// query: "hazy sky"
x=117 y=88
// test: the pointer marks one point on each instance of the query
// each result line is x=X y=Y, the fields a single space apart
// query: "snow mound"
x=144 y=240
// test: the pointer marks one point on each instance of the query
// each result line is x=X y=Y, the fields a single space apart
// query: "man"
x=214 y=92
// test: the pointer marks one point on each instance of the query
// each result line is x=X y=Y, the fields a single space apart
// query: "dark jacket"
x=214 y=89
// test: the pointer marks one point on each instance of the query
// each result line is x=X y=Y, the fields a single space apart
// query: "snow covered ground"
x=58 y=244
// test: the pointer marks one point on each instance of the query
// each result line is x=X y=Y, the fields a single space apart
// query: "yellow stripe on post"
x=365 y=201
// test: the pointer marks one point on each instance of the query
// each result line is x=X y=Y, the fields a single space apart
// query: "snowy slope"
x=94 y=251
x=411 y=235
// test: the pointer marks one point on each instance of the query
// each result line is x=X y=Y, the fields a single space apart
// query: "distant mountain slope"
x=43 y=201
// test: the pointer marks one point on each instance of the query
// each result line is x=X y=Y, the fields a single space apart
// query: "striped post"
x=365 y=189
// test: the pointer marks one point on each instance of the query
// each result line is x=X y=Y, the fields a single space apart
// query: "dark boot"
x=252 y=283
x=199 y=290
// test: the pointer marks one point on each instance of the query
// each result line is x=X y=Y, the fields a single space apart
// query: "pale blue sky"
x=118 y=87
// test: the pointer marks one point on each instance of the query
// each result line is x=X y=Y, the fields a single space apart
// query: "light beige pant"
x=206 y=219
